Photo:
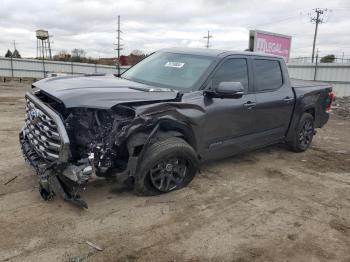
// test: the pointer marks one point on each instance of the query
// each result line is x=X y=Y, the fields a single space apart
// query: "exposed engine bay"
x=99 y=133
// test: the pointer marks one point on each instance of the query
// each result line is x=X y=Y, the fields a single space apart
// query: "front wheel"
x=304 y=134
x=167 y=165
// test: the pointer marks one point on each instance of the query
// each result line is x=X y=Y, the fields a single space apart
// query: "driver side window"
x=232 y=70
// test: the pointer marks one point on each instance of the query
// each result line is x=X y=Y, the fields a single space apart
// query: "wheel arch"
x=165 y=128
x=138 y=142
x=311 y=110
x=168 y=127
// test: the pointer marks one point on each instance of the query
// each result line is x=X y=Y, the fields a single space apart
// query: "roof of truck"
x=213 y=52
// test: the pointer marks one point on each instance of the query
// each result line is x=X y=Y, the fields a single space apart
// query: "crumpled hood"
x=99 y=91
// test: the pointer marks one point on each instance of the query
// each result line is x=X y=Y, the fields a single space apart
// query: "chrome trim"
x=45 y=131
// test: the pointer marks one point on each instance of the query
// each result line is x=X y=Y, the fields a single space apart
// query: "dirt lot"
x=268 y=205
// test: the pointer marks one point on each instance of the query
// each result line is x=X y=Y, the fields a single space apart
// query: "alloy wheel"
x=306 y=133
x=168 y=174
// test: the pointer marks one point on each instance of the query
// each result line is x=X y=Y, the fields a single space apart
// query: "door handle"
x=249 y=105
x=288 y=99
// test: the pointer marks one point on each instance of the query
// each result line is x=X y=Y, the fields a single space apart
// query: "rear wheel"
x=167 y=165
x=304 y=134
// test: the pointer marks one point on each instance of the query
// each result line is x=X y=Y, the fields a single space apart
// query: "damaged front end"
x=69 y=148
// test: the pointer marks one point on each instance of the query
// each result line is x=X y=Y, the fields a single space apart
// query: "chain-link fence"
x=308 y=60
x=33 y=68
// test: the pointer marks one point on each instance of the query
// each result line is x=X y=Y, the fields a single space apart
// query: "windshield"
x=176 y=71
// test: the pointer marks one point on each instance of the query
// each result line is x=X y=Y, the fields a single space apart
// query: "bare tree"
x=78 y=54
x=135 y=57
x=137 y=52
x=62 y=55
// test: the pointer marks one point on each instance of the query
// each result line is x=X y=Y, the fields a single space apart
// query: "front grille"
x=45 y=131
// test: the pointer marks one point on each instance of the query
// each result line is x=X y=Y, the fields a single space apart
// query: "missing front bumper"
x=54 y=186
x=56 y=178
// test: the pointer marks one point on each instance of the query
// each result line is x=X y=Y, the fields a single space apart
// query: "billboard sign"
x=270 y=43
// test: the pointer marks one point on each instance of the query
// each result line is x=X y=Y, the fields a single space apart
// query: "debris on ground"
x=9 y=181
x=341 y=106
x=93 y=245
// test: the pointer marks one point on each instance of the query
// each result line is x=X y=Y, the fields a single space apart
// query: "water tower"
x=43 y=48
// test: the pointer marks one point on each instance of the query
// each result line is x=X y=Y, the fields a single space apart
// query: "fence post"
x=44 y=73
x=71 y=63
x=11 y=66
x=95 y=68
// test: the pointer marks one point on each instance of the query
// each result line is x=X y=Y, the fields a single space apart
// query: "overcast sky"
x=154 y=24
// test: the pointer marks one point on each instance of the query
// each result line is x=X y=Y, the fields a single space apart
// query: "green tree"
x=16 y=54
x=328 y=59
x=8 y=53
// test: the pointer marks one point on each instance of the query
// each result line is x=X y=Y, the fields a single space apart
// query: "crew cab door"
x=274 y=99
x=228 y=121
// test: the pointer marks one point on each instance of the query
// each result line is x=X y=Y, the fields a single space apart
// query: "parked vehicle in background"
x=153 y=125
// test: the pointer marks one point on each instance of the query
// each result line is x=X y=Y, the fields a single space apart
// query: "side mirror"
x=227 y=90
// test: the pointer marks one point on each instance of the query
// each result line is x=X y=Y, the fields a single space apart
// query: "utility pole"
x=14 y=44
x=119 y=46
x=316 y=64
x=49 y=46
x=208 y=37
x=317 y=20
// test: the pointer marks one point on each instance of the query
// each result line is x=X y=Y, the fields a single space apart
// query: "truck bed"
x=298 y=83
x=311 y=94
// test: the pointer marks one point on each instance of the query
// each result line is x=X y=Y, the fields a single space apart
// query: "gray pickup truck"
x=153 y=125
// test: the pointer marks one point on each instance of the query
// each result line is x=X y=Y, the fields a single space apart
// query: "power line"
x=278 y=21
x=317 y=20
x=208 y=37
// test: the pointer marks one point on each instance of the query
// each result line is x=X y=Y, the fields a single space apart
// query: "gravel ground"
x=267 y=205
x=341 y=106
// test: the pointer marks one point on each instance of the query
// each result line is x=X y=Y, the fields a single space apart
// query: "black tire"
x=303 y=136
x=167 y=165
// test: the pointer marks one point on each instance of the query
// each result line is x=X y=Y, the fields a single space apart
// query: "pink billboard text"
x=273 y=44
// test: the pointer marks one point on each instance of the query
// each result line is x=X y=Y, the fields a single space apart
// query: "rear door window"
x=268 y=75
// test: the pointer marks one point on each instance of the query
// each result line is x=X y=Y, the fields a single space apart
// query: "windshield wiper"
x=118 y=75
